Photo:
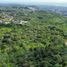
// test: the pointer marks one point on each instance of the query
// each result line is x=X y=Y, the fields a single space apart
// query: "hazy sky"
x=33 y=1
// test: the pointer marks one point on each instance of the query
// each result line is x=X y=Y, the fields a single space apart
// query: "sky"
x=33 y=1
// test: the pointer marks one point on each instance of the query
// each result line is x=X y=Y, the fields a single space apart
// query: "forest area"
x=32 y=38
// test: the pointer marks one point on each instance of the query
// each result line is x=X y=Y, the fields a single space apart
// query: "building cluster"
x=9 y=19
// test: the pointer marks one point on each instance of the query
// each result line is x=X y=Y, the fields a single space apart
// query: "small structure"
x=23 y=22
x=66 y=43
x=19 y=22
x=1 y=21
x=7 y=22
x=9 y=17
x=32 y=8
x=15 y=21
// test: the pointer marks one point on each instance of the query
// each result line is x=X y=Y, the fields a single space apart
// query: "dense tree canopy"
x=38 y=43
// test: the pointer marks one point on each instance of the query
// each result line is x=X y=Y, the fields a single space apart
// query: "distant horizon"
x=33 y=1
x=41 y=3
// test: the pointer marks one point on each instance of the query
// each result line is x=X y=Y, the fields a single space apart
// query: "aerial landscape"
x=33 y=34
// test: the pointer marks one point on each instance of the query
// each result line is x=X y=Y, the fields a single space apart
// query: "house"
x=1 y=21
x=22 y=22
x=15 y=21
x=9 y=17
x=7 y=22
x=66 y=43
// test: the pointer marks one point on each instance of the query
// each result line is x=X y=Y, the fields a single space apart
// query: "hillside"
x=41 y=42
